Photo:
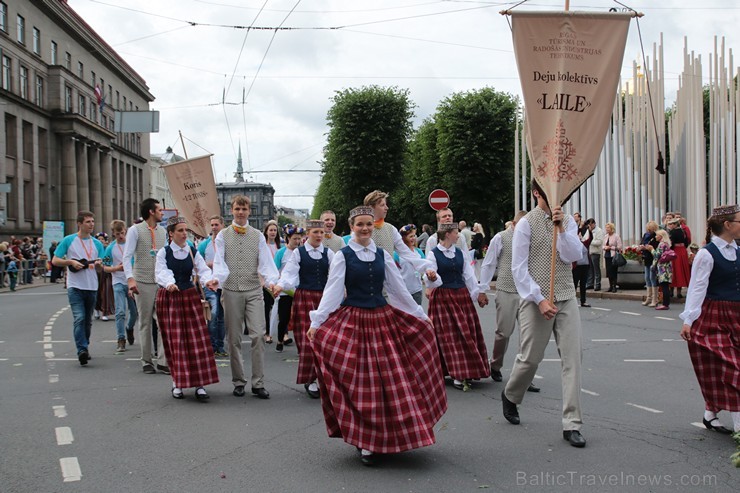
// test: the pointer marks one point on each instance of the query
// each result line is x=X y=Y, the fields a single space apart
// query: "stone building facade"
x=59 y=151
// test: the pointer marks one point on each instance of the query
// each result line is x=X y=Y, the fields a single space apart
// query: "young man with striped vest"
x=538 y=317
x=143 y=241
x=242 y=256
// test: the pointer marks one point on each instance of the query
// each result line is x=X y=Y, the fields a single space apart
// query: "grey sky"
x=433 y=48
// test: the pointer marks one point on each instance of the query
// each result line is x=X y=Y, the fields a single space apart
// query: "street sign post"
x=439 y=199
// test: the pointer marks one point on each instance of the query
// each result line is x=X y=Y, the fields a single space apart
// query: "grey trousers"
x=535 y=334
x=145 y=301
x=241 y=306
x=507 y=308
x=594 y=273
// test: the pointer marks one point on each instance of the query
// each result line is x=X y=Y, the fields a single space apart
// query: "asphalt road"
x=109 y=427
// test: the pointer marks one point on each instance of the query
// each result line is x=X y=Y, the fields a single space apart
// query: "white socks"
x=736 y=420
x=366 y=452
x=709 y=415
x=313 y=387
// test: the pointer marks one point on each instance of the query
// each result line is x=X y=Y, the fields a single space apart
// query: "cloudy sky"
x=201 y=64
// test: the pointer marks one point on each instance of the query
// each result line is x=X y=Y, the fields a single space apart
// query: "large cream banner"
x=193 y=190
x=569 y=65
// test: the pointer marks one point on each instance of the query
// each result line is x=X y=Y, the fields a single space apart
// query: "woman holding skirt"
x=459 y=335
x=180 y=313
x=711 y=318
x=381 y=384
x=307 y=271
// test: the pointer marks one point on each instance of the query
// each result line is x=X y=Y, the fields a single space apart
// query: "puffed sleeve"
x=333 y=292
x=162 y=274
x=398 y=294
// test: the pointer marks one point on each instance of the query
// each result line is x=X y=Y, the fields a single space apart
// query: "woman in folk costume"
x=187 y=343
x=270 y=231
x=293 y=239
x=381 y=383
x=711 y=318
x=307 y=271
x=459 y=335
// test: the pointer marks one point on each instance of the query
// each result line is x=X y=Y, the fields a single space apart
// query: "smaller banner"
x=193 y=190
x=53 y=231
x=569 y=65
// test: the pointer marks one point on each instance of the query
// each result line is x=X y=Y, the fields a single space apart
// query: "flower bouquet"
x=633 y=253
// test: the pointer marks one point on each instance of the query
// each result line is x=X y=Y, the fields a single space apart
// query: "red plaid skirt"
x=459 y=335
x=187 y=343
x=303 y=302
x=381 y=385
x=715 y=352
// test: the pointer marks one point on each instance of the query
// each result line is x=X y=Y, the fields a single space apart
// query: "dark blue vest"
x=450 y=270
x=364 y=280
x=724 y=281
x=182 y=269
x=313 y=273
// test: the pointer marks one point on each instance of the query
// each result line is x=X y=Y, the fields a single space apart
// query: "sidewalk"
x=37 y=283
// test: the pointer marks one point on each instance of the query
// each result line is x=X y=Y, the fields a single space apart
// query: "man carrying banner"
x=143 y=240
x=242 y=256
x=539 y=318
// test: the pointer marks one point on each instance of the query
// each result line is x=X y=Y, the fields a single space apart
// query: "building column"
x=83 y=179
x=69 y=185
x=93 y=166
x=107 y=184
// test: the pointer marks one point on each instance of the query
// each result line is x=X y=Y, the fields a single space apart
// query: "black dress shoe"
x=496 y=375
x=164 y=369
x=717 y=428
x=367 y=460
x=575 y=438
x=201 y=396
x=261 y=393
x=279 y=347
x=130 y=336
x=533 y=388
x=83 y=357
x=585 y=305
x=510 y=411
x=148 y=369
x=313 y=394
x=288 y=341
x=239 y=391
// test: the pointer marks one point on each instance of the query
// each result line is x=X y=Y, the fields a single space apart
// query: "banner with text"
x=193 y=190
x=569 y=65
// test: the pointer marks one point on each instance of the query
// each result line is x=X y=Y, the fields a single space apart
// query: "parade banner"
x=193 y=190
x=569 y=65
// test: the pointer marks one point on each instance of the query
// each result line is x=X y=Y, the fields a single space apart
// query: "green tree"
x=475 y=144
x=367 y=146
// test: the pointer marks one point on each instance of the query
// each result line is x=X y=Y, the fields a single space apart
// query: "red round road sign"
x=439 y=199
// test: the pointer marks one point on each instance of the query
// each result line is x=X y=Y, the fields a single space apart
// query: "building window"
x=36 y=41
x=53 y=53
x=118 y=100
x=81 y=105
x=23 y=82
x=80 y=70
x=4 y=16
x=39 y=91
x=68 y=99
x=67 y=60
x=92 y=79
x=7 y=70
x=21 y=30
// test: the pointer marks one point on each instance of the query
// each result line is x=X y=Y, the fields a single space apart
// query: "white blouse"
x=700 y=271
x=490 y=263
x=398 y=295
x=289 y=278
x=165 y=277
x=468 y=274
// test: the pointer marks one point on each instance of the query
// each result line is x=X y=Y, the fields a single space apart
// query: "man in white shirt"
x=539 y=317
x=465 y=231
x=242 y=256
x=83 y=255
x=595 y=250
x=143 y=240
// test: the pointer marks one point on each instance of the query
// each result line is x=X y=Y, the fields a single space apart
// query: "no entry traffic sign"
x=439 y=199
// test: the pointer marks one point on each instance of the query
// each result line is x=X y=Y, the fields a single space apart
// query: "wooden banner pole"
x=182 y=141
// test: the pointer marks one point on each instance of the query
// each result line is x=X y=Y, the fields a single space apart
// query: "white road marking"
x=666 y=318
x=644 y=361
x=64 y=435
x=49 y=354
x=699 y=425
x=3 y=359
x=672 y=340
x=52 y=358
x=17 y=364
x=589 y=392
x=53 y=378
x=551 y=359
x=48 y=339
x=133 y=359
x=602 y=309
x=2 y=342
x=538 y=377
x=59 y=411
x=70 y=469
x=631 y=313
x=644 y=408
x=608 y=340
x=48 y=326
x=112 y=340
x=49 y=346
